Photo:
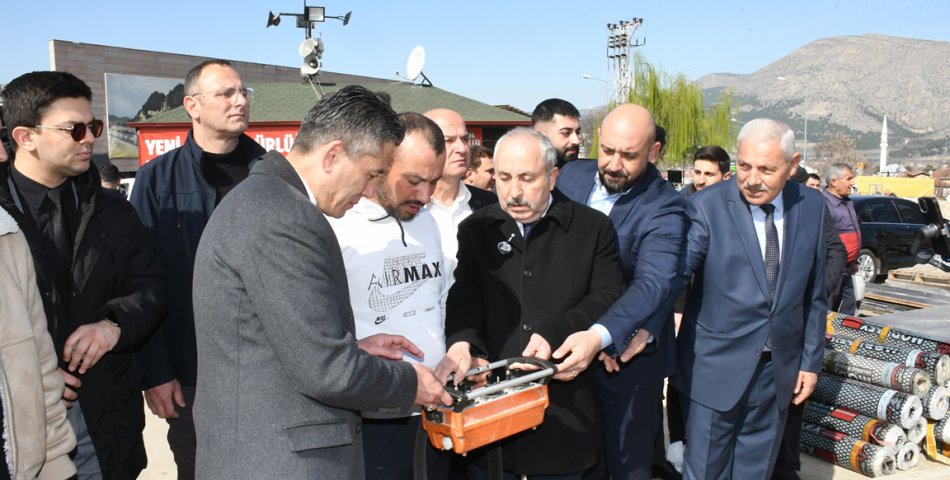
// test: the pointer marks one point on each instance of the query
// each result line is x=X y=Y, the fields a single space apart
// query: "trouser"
x=849 y=304
x=630 y=420
x=674 y=423
x=181 y=435
x=739 y=443
x=84 y=456
x=389 y=450
x=789 y=461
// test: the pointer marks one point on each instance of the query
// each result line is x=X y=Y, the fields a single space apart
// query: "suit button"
x=527 y=273
x=526 y=327
x=46 y=293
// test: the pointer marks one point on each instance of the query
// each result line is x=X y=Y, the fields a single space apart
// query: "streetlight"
x=605 y=82
x=805 y=136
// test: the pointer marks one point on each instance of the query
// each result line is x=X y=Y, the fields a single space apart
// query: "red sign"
x=159 y=141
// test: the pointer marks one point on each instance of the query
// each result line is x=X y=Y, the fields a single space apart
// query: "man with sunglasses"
x=97 y=275
x=175 y=195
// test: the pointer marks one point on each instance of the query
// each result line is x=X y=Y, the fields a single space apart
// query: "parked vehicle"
x=888 y=228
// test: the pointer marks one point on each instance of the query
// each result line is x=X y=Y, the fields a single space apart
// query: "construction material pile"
x=882 y=400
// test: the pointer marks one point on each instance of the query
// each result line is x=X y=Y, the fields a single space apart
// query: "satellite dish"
x=417 y=60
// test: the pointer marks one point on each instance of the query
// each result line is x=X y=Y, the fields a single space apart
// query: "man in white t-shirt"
x=398 y=283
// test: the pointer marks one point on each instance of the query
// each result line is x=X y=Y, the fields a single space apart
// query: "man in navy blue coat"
x=650 y=219
x=752 y=336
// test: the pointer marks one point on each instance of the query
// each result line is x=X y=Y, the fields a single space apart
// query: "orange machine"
x=513 y=401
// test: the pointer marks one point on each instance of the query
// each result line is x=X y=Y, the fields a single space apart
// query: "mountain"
x=159 y=102
x=848 y=84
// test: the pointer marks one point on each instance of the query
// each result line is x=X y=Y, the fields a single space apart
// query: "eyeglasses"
x=78 y=130
x=229 y=94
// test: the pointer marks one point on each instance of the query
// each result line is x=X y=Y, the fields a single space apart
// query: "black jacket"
x=559 y=282
x=175 y=202
x=480 y=198
x=114 y=275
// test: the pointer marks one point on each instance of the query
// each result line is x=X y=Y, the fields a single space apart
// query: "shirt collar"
x=777 y=202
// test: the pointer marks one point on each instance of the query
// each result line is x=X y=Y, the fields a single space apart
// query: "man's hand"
x=72 y=384
x=86 y=346
x=610 y=363
x=457 y=361
x=393 y=347
x=582 y=346
x=636 y=345
x=804 y=386
x=429 y=390
x=160 y=398
x=537 y=347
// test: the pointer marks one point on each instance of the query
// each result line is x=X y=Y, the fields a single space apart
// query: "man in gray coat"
x=281 y=378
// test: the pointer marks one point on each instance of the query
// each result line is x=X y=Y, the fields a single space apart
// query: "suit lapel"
x=742 y=217
x=790 y=200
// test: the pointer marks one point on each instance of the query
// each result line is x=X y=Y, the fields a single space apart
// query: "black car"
x=888 y=228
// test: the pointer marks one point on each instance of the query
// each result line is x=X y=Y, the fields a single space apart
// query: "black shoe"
x=665 y=471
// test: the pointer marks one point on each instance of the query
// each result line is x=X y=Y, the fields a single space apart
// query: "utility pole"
x=620 y=43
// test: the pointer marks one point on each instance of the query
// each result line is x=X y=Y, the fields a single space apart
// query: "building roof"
x=289 y=102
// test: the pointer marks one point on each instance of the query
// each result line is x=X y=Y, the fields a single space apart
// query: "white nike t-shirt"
x=395 y=287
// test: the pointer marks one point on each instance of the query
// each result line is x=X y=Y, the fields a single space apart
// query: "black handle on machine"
x=461 y=398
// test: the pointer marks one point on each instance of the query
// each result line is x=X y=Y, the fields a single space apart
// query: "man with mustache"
x=560 y=121
x=533 y=268
x=397 y=281
x=751 y=345
x=100 y=283
x=650 y=220
x=174 y=195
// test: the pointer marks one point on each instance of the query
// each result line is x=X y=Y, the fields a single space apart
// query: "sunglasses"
x=78 y=130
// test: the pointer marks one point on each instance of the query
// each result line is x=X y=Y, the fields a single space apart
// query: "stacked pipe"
x=848 y=452
x=881 y=386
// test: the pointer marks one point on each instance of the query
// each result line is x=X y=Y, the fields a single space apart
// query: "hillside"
x=848 y=84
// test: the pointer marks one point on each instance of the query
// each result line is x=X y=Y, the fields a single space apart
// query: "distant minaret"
x=884 y=146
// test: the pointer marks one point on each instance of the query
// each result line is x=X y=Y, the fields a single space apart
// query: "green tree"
x=677 y=105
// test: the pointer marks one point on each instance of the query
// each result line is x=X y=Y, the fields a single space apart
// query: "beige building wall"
x=91 y=62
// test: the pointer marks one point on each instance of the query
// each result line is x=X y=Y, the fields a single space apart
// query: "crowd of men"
x=289 y=315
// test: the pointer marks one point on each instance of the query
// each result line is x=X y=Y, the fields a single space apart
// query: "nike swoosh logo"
x=382 y=302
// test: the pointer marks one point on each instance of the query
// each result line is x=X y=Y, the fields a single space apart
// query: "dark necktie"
x=527 y=228
x=771 y=257
x=771 y=248
x=58 y=226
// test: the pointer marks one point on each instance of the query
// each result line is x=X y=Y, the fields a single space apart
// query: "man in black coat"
x=100 y=282
x=533 y=269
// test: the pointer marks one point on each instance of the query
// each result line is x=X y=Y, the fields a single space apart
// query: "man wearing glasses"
x=97 y=275
x=175 y=194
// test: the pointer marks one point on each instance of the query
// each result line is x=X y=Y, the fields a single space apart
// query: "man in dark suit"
x=752 y=336
x=651 y=223
x=280 y=378
x=534 y=268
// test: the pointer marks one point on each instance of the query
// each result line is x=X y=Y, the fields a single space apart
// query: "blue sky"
x=514 y=52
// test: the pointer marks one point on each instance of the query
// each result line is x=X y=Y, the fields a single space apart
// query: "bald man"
x=452 y=200
x=651 y=224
